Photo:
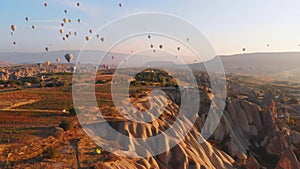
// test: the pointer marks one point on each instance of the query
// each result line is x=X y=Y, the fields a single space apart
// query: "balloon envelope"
x=47 y=63
x=68 y=57
x=13 y=27
x=57 y=60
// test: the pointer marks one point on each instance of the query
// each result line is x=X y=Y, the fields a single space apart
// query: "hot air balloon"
x=178 y=48
x=187 y=39
x=13 y=27
x=75 y=33
x=46 y=49
x=244 y=49
x=67 y=35
x=68 y=57
x=70 y=20
x=65 y=11
x=27 y=19
x=61 y=31
x=91 y=31
x=70 y=33
x=97 y=36
x=160 y=46
x=14 y=43
x=33 y=27
x=78 y=4
x=57 y=60
x=12 y=33
x=45 y=4
x=65 y=20
x=151 y=46
x=47 y=63
x=112 y=57
x=120 y=5
x=149 y=37
x=64 y=38
x=87 y=38
x=268 y=45
x=102 y=39
x=62 y=24
x=78 y=20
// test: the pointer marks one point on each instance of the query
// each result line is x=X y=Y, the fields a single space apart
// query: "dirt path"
x=21 y=104
x=33 y=111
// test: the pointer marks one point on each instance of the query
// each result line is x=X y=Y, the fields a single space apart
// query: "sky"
x=229 y=25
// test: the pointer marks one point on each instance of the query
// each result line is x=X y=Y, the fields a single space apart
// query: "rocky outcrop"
x=288 y=160
x=252 y=163
x=189 y=153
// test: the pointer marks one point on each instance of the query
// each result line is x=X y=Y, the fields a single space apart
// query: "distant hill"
x=281 y=65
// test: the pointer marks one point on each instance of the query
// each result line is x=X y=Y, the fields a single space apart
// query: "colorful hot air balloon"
x=57 y=60
x=70 y=33
x=62 y=24
x=68 y=57
x=13 y=27
x=61 y=31
x=70 y=20
x=91 y=31
x=47 y=63
x=87 y=38
x=45 y=4
x=65 y=20
x=78 y=4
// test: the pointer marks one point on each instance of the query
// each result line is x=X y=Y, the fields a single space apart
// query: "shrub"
x=293 y=100
x=67 y=125
x=51 y=153
x=73 y=110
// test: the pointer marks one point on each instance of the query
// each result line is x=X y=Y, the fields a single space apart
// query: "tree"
x=163 y=81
